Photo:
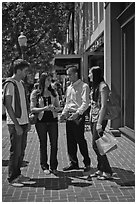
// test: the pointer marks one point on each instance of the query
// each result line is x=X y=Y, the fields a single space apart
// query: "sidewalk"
x=71 y=186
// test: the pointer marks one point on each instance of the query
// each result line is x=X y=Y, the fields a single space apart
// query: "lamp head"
x=22 y=40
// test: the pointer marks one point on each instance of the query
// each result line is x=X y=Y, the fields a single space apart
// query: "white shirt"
x=77 y=97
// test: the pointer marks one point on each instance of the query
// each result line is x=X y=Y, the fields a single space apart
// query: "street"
x=71 y=186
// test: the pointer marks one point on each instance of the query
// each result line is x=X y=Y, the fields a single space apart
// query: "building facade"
x=104 y=34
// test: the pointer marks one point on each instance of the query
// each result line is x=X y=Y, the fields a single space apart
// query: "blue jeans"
x=52 y=129
x=103 y=163
x=17 y=151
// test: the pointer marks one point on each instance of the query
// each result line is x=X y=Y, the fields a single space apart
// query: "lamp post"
x=22 y=40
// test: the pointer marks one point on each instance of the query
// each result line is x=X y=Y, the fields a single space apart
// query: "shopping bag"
x=106 y=143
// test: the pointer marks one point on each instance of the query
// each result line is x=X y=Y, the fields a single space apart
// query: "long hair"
x=97 y=78
x=42 y=80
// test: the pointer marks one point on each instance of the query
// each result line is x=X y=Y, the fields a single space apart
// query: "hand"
x=19 y=129
x=29 y=127
x=73 y=116
x=62 y=118
x=51 y=108
x=47 y=108
x=99 y=128
x=58 y=109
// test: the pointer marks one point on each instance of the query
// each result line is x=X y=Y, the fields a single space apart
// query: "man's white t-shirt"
x=24 y=114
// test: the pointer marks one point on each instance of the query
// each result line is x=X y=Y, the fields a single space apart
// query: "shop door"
x=128 y=80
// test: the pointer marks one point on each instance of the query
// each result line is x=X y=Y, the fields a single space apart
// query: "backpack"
x=113 y=109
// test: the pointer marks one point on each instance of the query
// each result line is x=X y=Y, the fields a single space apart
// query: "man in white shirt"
x=77 y=102
x=17 y=121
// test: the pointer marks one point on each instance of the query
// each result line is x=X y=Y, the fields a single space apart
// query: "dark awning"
x=64 y=60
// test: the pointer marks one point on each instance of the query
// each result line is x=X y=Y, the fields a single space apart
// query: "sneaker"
x=29 y=182
x=87 y=169
x=105 y=176
x=16 y=183
x=46 y=171
x=23 y=178
x=71 y=167
x=97 y=173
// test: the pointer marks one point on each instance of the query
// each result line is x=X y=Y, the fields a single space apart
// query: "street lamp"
x=22 y=40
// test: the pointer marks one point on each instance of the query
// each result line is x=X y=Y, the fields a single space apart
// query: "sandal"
x=96 y=174
x=105 y=176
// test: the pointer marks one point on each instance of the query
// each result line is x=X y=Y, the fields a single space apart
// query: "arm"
x=102 y=112
x=33 y=104
x=38 y=110
x=85 y=99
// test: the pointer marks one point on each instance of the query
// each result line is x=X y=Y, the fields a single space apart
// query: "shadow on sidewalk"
x=62 y=181
x=57 y=183
x=123 y=177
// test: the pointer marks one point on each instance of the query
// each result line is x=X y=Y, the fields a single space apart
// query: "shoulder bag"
x=113 y=108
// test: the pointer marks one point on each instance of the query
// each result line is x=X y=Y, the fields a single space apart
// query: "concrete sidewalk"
x=71 y=186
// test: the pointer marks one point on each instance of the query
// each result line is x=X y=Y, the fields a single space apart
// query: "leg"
x=80 y=138
x=103 y=164
x=42 y=134
x=71 y=142
x=24 y=142
x=53 y=137
x=15 y=153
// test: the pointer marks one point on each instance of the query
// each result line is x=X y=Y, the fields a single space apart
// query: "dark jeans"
x=52 y=130
x=75 y=136
x=17 y=151
x=103 y=163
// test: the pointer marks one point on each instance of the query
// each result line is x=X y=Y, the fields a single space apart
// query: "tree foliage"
x=43 y=23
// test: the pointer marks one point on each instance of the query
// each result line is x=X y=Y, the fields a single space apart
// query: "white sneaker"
x=46 y=171
x=16 y=183
x=25 y=180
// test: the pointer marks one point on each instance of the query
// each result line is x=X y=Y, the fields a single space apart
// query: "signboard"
x=62 y=61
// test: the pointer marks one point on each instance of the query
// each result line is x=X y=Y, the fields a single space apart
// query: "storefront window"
x=101 y=10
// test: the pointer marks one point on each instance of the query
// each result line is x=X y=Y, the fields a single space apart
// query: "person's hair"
x=97 y=78
x=42 y=80
x=74 y=69
x=19 y=64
